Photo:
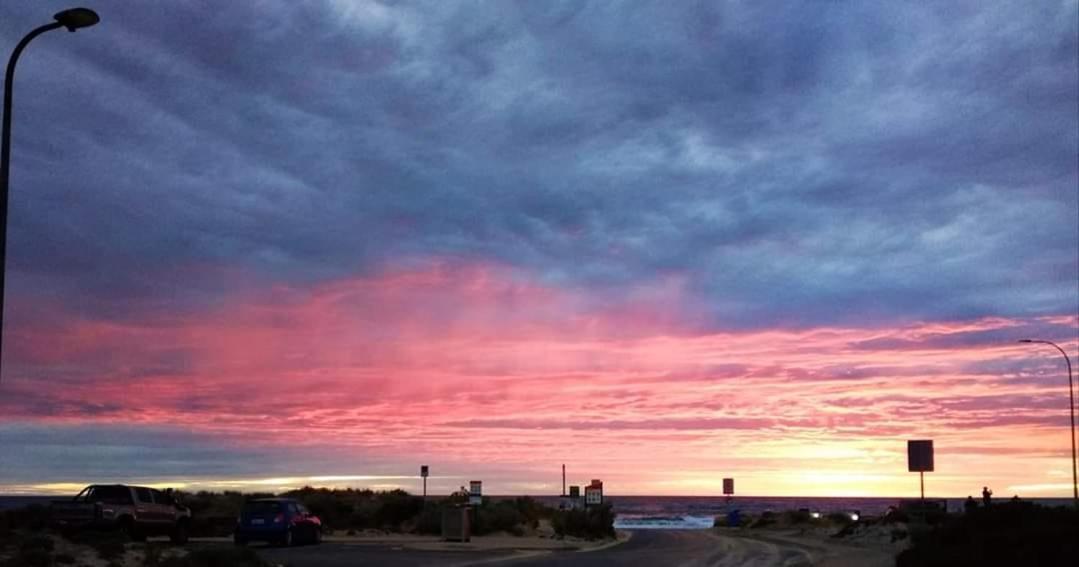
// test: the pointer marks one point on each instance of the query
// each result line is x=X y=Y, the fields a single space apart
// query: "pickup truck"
x=136 y=511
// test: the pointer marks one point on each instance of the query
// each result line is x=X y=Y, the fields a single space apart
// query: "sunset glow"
x=484 y=374
x=664 y=245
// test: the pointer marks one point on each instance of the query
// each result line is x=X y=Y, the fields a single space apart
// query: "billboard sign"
x=728 y=486
x=920 y=455
x=423 y=471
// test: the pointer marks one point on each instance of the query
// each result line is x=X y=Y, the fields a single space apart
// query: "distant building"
x=593 y=493
x=571 y=501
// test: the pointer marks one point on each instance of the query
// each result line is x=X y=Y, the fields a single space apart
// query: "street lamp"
x=73 y=19
x=1071 y=396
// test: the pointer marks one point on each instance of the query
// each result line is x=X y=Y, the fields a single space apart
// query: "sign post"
x=920 y=459
x=728 y=491
x=423 y=473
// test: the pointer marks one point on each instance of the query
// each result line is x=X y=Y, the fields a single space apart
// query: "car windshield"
x=110 y=495
x=263 y=507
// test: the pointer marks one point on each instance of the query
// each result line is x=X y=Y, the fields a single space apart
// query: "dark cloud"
x=802 y=165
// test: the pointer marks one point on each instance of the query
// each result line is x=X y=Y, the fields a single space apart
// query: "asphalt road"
x=647 y=548
x=681 y=548
x=363 y=554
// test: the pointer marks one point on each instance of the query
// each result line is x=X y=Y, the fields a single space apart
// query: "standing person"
x=987 y=496
x=970 y=505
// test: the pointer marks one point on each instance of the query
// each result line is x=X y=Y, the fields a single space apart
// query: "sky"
x=258 y=245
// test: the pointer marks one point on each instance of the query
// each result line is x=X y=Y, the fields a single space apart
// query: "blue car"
x=281 y=521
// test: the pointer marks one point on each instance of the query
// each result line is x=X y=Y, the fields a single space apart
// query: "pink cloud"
x=473 y=364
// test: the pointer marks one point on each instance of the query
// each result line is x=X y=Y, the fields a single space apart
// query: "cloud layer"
x=722 y=236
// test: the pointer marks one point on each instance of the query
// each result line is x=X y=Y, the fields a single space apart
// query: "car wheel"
x=318 y=536
x=286 y=540
x=179 y=533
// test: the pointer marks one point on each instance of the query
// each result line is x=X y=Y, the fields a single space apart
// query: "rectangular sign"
x=475 y=488
x=728 y=486
x=423 y=471
x=920 y=455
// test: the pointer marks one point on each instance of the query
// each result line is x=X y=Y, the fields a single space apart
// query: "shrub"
x=764 y=520
x=594 y=522
x=500 y=516
x=1010 y=534
x=34 y=518
x=429 y=522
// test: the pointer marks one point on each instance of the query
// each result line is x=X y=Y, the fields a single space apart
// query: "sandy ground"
x=790 y=547
x=720 y=547
x=493 y=542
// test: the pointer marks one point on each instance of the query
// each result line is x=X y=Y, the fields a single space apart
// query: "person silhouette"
x=987 y=496
x=970 y=504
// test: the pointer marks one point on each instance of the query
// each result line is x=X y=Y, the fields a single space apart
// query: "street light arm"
x=5 y=153
x=9 y=79
x=1071 y=407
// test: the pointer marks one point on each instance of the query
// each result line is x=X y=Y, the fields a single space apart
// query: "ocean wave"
x=663 y=522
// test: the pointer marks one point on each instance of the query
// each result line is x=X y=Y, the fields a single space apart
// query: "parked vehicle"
x=134 y=510
x=282 y=521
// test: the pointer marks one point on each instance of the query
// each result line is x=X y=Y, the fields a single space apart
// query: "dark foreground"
x=647 y=548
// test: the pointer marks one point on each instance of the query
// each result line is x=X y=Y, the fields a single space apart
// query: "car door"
x=164 y=507
x=145 y=510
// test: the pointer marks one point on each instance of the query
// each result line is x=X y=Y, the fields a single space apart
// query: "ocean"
x=688 y=512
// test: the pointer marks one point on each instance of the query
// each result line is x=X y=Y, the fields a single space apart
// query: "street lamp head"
x=76 y=18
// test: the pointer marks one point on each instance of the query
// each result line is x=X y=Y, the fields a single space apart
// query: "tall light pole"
x=73 y=19
x=1071 y=396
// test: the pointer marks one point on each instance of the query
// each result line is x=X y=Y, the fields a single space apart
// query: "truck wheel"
x=179 y=533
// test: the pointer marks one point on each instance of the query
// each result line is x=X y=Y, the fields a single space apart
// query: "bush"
x=501 y=516
x=1009 y=534
x=429 y=522
x=764 y=520
x=33 y=518
x=595 y=522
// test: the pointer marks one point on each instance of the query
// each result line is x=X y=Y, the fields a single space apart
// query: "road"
x=647 y=548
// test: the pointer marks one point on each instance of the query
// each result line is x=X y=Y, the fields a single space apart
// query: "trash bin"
x=456 y=525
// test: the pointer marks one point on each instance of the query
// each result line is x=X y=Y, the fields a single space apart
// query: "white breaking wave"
x=663 y=522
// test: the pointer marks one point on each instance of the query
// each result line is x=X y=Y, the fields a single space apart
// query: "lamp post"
x=72 y=19
x=1071 y=397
